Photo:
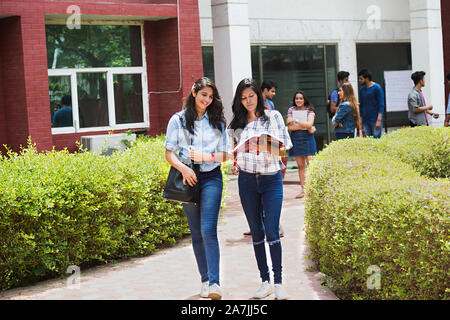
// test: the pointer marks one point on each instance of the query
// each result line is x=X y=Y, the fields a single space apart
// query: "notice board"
x=398 y=85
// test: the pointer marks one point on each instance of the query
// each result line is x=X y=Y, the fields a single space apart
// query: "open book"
x=259 y=139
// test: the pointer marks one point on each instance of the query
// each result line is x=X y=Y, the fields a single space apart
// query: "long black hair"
x=214 y=110
x=308 y=104
x=239 y=112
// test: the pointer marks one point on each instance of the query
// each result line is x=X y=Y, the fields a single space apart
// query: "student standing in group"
x=269 y=89
x=447 y=112
x=199 y=133
x=347 y=117
x=334 y=102
x=260 y=182
x=302 y=136
x=371 y=97
x=417 y=108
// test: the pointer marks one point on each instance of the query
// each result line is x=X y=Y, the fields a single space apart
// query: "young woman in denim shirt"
x=199 y=134
x=347 y=117
x=260 y=182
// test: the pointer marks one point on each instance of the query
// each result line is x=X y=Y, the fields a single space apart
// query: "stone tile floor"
x=171 y=274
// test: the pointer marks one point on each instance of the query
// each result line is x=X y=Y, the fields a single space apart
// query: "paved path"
x=171 y=274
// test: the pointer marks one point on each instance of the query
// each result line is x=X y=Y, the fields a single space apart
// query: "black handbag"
x=176 y=191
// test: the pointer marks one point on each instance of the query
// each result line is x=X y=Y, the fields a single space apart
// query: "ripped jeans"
x=262 y=198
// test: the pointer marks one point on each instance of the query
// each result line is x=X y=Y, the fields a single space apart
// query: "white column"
x=232 y=56
x=348 y=61
x=427 y=51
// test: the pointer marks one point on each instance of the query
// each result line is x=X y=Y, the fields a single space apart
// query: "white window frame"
x=110 y=72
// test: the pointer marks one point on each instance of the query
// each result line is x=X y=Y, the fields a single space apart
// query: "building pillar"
x=232 y=55
x=348 y=61
x=428 y=52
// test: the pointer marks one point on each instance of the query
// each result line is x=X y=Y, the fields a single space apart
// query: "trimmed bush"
x=60 y=209
x=370 y=207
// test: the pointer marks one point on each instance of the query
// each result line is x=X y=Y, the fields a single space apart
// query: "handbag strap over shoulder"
x=196 y=167
x=183 y=124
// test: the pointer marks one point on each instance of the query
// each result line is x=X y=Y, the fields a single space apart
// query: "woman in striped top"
x=260 y=182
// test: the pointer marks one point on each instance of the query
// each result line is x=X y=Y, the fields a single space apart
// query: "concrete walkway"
x=171 y=274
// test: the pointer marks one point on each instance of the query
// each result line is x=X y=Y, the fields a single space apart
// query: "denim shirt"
x=344 y=115
x=206 y=139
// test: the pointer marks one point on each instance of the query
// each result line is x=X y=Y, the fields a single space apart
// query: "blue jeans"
x=343 y=135
x=371 y=131
x=262 y=199
x=202 y=220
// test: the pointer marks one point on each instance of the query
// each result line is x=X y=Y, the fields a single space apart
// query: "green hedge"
x=370 y=203
x=60 y=209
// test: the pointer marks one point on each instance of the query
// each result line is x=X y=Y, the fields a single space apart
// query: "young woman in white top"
x=260 y=183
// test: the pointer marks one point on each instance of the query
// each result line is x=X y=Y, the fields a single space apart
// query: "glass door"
x=309 y=68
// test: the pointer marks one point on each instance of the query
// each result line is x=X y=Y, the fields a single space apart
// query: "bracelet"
x=213 y=157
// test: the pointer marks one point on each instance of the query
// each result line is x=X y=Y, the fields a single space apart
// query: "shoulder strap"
x=183 y=124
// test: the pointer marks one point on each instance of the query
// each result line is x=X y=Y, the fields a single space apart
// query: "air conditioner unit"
x=107 y=144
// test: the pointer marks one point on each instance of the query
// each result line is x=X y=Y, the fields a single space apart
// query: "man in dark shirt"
x=63 y=117
x=371 y=105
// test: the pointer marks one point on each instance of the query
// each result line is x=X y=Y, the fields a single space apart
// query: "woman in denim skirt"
x=302 y=135
x=260 y=183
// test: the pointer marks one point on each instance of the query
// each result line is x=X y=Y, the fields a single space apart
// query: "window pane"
x=208 y=61
x=128 y=98
x=298 y=68
x=256 y=75
x=92 y=99
x=386 y=57
x=93 y=46
x=60 y=101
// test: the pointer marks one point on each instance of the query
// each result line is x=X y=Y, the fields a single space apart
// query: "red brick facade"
x=24 y=93
x=445 y=13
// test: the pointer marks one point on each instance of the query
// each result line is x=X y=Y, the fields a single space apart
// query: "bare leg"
x=301 y=173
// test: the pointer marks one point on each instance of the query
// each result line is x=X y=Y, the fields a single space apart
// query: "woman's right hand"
x=189 y=176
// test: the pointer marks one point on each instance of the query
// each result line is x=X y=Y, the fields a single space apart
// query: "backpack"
x=330 y=114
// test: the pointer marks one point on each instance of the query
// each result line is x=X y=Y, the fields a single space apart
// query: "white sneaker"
x=263 y=291
x=280 y=292
x=204 y=292
x=214 y=292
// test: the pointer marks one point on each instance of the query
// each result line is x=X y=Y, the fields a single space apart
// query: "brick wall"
x=445 y=13
x=24 y=100
x=163 y=72
x=36 y=78
x=14 y=108
x=163 y=65
x=3 y=133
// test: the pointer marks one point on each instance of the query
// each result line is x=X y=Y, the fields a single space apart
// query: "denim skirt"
x=303 y=142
